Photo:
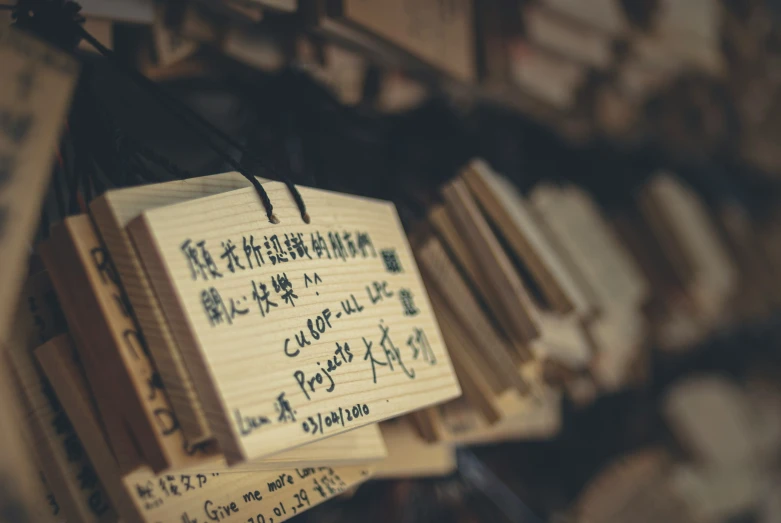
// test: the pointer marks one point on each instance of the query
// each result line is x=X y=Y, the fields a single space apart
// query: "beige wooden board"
x=687 y=219
x=606 y=272
x=441 y=273
x=128 y=11
x=563 y=339
x=112 y=212
x=476 y=380
x=465 y=262
x=367 y=295
x=190 y=497
x=587 y=239
x=438 y=33
x=280 y=5
x=19 y=470
x=102 y=370
x=545 y=76
x=494 y=263
x=411 y=456
x=46 y=509
x=573 y=40
x=67 y=467
x=458 y=422
x=95 y=304
x=36 y=82
x=263 y=51
x=604 y=15
x=621 y=484
x=512 y=215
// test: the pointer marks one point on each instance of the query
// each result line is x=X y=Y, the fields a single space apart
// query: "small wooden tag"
x=608 y=274
x=294 y=332
x=410 y=456
x=493 y=262
x=185 y=496
x=102 y=370
x=67 y=467
x=436 y=33
x=682 y=224
x=36 y=82
x=534 y=416
x=497 y=364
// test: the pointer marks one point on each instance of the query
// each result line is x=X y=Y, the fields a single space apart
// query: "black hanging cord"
x=190 y=117
x=59 y=21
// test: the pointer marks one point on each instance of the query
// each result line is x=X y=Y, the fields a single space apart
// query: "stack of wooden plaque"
x=533 y=294
x=181 y=358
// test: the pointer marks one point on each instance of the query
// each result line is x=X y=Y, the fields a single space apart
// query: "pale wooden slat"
x=493 y=261
x=187 y=496
x=62 y=454
x=102 y=371
x=36 y=82
x=614 y=282
x=112 y=212
x=464 y=259
x=411 y=456
x=440 y=272
x=510 y=212
x=227 y=360
x=683 y=219
x=536 y=416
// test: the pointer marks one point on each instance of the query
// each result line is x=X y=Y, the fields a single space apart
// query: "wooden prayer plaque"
x=62 y=454
x=95 y=306
x=36 y=82
x=295 y=331
x=189 y=496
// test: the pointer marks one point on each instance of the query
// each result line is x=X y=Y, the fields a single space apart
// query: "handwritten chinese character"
x=236 y=310
x=252 y=251
x=407 y=302
x=215 y=307
x=261 y=295
x=392 y=353
x=229 y=254
x=390 y=260
x=286 y=412
x=200 y=261
x=319 y=245
x=282 y=285
x=374 y=361
x=279 y=255
x=296 y=246
x=352 y=250
x=419 y=344
x=337 y=246
x=365 y=243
